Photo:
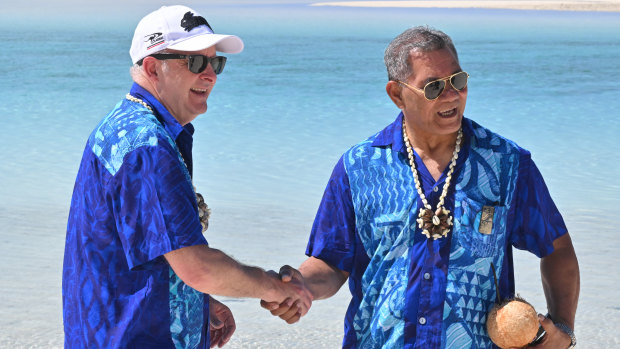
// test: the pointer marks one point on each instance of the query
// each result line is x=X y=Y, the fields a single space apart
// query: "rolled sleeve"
x=333 y=234
x=537 y=220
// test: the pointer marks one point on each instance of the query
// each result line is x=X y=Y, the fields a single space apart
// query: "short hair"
x=421 y=38
x=136 y=68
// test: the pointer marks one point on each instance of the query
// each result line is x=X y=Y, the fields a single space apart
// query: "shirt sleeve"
x=333 y=233
x=537 y=220
x=154 y=205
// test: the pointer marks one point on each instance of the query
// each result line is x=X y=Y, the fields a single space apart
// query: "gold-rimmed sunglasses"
x=435 y=88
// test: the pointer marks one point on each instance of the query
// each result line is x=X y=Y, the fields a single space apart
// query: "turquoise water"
x=309 y=84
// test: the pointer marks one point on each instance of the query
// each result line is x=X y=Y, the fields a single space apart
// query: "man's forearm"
x=322 y=279
x=560 y=278
x=212 y=271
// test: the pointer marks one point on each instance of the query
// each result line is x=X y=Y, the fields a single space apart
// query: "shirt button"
x=436 y=189
x=422 y=320
x=427 y=276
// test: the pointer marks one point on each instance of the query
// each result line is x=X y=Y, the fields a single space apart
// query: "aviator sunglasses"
x=195 y=63
x=435 y=88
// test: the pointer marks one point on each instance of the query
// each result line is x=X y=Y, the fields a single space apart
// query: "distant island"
x=556 y=5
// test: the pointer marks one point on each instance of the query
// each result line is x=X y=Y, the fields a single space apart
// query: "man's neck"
x=148 y=85
x=435 y=150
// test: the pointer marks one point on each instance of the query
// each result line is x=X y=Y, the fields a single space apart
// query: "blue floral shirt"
x=412 y=292
x=133 y=201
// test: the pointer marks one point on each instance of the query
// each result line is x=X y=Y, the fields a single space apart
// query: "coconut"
x=513 y=323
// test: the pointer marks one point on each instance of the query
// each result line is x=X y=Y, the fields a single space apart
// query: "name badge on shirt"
x=486 y=220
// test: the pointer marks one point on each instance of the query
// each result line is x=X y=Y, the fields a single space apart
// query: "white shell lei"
x=435 y=224
x=204 y=212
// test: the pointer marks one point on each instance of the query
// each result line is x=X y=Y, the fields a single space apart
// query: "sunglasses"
x=195 y=63
x=435 y=88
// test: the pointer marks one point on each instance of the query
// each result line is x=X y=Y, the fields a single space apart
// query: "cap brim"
x=222 y=43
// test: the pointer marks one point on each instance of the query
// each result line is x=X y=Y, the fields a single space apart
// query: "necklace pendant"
x=433 y=224
x=204 y=212
x=436 y=224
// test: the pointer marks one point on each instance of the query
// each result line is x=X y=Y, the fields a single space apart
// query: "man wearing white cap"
x=137 y=268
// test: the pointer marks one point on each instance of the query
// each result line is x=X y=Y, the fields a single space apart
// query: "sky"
x=77 y=5
x=66 y=12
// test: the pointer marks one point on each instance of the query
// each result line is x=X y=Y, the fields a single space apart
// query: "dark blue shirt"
x=133 y=202
x=413 y=292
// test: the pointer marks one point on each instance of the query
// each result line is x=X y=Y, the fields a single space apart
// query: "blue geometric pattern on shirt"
x=129 y=126
x=383 y=199
x=186 y=307
x=488 y=177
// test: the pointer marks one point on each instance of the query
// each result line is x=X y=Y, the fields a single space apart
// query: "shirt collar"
x=393 y=135
x=171 y=124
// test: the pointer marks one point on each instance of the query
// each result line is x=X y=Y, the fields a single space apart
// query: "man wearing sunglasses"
x=137 y=270
x=420 y=216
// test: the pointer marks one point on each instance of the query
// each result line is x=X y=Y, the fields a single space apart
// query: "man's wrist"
x=274 y=290
x=564 y=328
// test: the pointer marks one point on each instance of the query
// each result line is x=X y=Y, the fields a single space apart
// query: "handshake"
x=292 y=298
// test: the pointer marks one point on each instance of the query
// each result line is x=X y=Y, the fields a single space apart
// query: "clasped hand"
x=293 y=307
x=553 y=339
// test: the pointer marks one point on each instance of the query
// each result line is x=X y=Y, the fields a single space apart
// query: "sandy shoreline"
x=555 y=5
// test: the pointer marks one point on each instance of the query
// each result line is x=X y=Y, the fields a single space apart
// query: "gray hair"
x=136 y=69
x=422 y=39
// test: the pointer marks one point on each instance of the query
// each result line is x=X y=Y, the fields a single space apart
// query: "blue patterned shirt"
x=133 y=201
x=412 y=292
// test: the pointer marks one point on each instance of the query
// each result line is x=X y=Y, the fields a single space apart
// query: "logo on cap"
x=154 y=39
x=190 y=21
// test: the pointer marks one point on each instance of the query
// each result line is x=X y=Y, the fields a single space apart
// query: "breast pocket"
x=483 y=228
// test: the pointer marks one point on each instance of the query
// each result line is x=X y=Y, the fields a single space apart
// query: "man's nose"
x=450 y=92
x=209 y=74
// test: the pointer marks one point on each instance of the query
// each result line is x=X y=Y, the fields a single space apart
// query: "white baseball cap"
x=179 y=28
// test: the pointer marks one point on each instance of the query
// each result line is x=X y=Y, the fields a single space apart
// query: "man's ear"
x=151 y=67
x=394 y=90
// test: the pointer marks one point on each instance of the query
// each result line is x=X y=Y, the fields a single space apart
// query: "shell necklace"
x=435 y=224
x=204 y=212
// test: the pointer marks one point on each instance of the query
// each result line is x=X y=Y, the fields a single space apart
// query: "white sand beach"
x=555 y=5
